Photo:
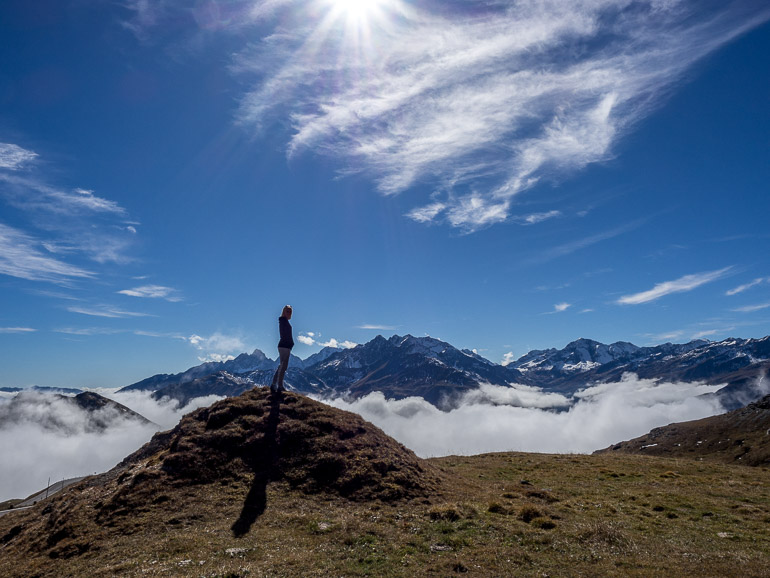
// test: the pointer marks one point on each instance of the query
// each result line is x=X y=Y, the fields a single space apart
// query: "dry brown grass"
x=506 y=514
x=737 y=437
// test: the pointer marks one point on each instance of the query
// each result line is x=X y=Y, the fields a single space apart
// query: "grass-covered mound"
x=231 y=450
x=282 y=437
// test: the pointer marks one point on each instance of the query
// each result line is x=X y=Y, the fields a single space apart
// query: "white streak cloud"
x=746 y=287
x=681 y=285
x=535 y=218
x=33 y=194
x=73 y=221
x=17 y=330
x=153 y=292
x=20 y=256
x=13 y=157
x=752 y=308
x=105 y=311
x=579 y=244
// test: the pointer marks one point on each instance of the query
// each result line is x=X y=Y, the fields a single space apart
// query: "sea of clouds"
x=51 y=438
x=495 y=418
x=489 y=419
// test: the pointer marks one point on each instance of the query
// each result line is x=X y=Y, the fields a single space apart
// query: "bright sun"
x=357 y=9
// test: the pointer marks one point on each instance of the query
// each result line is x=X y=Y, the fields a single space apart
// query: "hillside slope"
x=740 y=436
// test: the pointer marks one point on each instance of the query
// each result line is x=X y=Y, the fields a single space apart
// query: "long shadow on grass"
x=264 y=468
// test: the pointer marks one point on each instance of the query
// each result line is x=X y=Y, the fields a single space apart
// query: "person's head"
x=287 y=312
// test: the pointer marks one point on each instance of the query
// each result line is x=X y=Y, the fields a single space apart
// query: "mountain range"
x=404 y=366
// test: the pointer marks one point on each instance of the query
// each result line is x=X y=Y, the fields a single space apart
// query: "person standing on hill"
x=285 y=346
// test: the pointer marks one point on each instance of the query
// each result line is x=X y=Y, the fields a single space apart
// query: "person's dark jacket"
x=285 y=328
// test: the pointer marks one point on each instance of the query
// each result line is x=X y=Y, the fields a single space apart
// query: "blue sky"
x=505 y=176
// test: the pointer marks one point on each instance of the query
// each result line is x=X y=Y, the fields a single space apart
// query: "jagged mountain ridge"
x=243 y=364
x=739 y=363
x=409 y=366
x=402 y=366
x=399 y=367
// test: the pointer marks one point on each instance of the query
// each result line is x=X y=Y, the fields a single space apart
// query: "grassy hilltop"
x=265 y=486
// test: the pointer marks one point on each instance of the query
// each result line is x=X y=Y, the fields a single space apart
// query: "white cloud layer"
x=17 y=330
x=482 y=101
x=681 y=285
x=497 y=418
x=32 y=452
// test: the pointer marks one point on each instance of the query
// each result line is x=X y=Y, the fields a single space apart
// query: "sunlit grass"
x=499 y=514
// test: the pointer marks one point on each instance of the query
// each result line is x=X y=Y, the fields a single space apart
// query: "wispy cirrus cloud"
x=747 y=286
x=579 y=244
x=535 y=218
x=705 y=333
x=153 y=292
x=377 y=327
x=106 y=311
x=481 y=102
x=752 y=308
x=89 y=331
x=22 y=256
x=33 y=194
x=667 y=336
x=68 y=222
x=13 y=156
x=17 y=330
x=681 y=285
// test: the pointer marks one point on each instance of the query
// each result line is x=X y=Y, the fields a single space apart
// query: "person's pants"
x=283 y=356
